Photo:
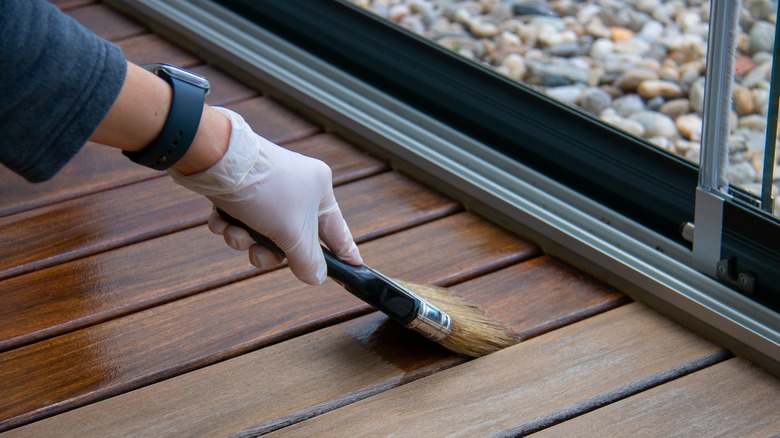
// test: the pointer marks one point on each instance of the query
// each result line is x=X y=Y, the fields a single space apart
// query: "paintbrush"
x=431 y=311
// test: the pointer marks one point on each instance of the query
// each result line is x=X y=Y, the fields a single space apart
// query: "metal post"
x=771 y=130
x=713 y=182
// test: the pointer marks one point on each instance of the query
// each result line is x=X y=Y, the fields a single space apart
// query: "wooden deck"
x=122 y=315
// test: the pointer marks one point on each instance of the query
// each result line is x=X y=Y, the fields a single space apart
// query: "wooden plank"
x=97 y=167
x=51 y=301
x=734 y=398
x=541 y=295
x=69 y=230
x=274 y=121
x=522 y=383
x=84 y=226
x=100 y=361
x=353 y=162
x=93 y=169
x=106 y=22
x=224 y=89
x=71 y=4
x=336 y=365
x=149 y=48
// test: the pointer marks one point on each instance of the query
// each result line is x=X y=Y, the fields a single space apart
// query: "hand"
x=281 y=194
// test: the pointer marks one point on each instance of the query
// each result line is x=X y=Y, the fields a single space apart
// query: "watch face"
x=181 y=74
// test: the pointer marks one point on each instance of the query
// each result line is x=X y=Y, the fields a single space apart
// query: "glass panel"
x=636 y=65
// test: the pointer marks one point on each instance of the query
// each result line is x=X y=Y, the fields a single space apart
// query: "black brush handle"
x=361 y=281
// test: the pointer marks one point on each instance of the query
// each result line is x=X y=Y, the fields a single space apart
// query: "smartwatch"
x=189 y=94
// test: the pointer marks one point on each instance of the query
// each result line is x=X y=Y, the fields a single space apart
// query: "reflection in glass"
x=638 y=65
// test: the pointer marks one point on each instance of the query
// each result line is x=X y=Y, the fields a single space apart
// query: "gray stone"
x=595 y=100
x=762 y=37
x=655 y=124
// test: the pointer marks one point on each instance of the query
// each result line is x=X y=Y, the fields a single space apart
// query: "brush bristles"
x=474 y=333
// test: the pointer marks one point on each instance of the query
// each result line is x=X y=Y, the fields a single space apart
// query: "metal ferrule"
x=431 y=322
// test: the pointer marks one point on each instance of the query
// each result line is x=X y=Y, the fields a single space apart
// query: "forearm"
x=138 y=115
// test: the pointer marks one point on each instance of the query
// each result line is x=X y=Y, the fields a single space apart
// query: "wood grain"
x=224 y=89
x=518 y=384
x=336 y=366
x=106 y=22
x=71 y=4
x=97 y=167
x=150 y=48
x=116 y=356
x=72 y=295
x=274 y=121
x=733 y=398
x=540 y=295
x=353 y=162
x=93 y=169
x=83 y=226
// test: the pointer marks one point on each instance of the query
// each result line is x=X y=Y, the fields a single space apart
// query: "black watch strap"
x=180 y=126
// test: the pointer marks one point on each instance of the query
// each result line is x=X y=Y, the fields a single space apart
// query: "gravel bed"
x=638 y=65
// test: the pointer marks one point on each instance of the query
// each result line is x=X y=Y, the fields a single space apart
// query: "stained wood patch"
x=306 y=376
x=150 y=48
x=107 y=23
x=72 y=295
x=109 y=219
x=116 y=356
x=93 y=169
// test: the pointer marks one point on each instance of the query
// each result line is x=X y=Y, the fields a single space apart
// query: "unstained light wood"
x=733 y=398
x=521 y=383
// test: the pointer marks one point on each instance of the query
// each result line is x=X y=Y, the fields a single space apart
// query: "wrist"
x=245 y=154
x=209 y=145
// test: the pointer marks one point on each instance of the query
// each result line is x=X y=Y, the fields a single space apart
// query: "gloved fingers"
x=238 y=238
x=217 y=224
x=305 y=257
x=263 y=258
x=334 y=232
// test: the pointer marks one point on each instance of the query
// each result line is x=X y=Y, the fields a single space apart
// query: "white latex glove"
x=281 y=194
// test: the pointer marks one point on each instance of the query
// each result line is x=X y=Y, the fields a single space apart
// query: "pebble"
x=638 y=65
x=655 y=124
x=569 y=94
x=630 y=126
x=689 y=126
x=743 y=101
x=656 y=88
x=628 y=104
x=675 y=108
x=630 y=80
x=696 y=95
x=595 y=100
x=761 y=37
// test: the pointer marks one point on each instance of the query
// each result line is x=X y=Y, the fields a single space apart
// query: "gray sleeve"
x=57 y=82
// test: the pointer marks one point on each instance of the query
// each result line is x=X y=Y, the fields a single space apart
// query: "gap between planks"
x=333 y=367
